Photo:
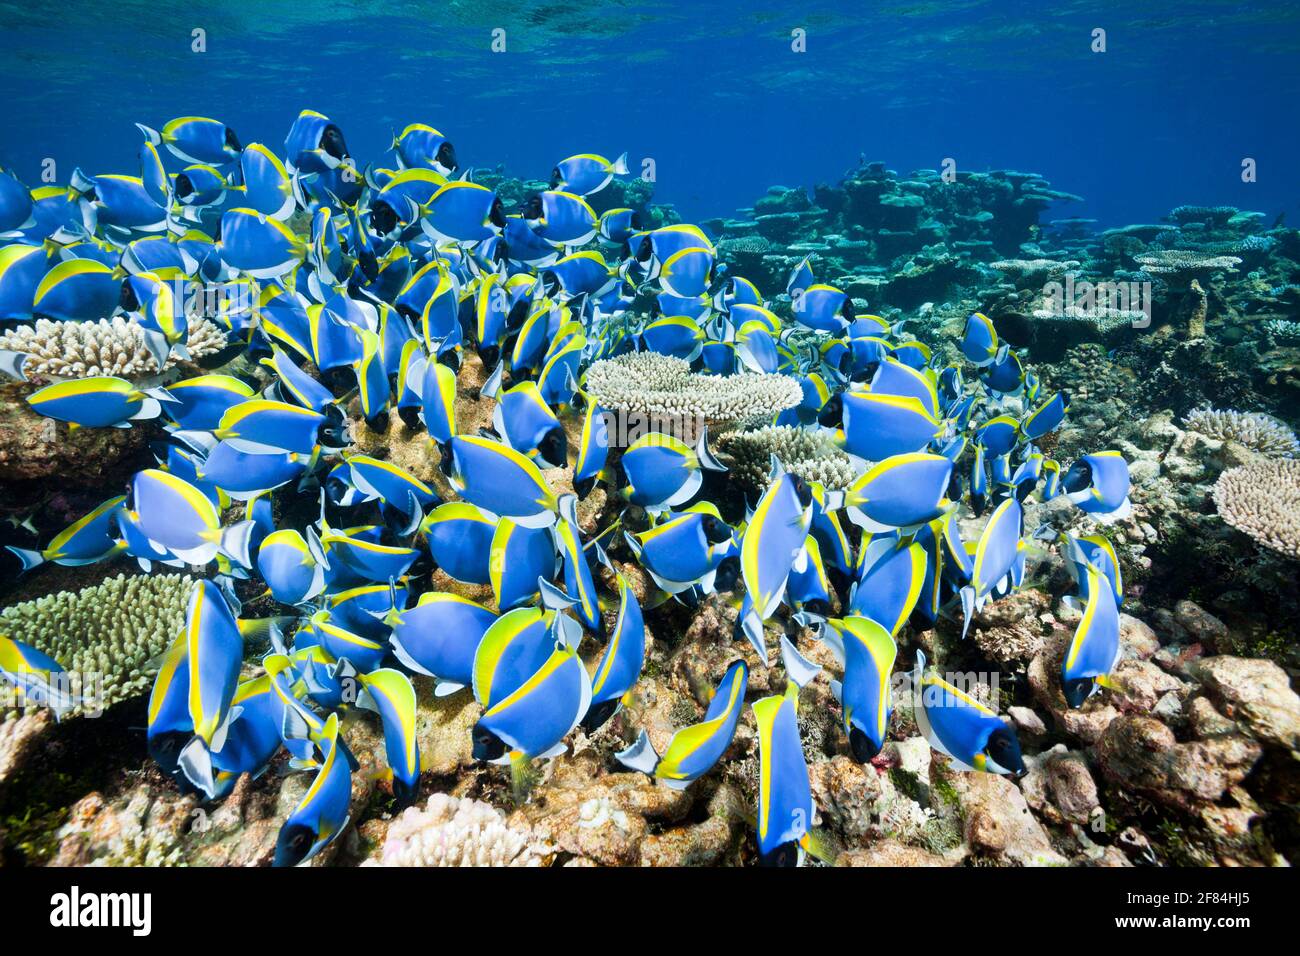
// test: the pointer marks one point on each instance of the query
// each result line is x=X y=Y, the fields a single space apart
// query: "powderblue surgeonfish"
x=196 y=139
x=499 y=479
x=87 y=540
x=956 y=724
x=785 y=803
x=664 y=472
x=891 y=576
x=773 y=543
x=179 y=517
x=100 y=401
x=292 y=573
x=36 y=678
x=389 y=693
x=979 y=340
x=533 y=719
x=1095 y=648
x=866 y=650
x=687 y=548
x=519 y=556
x=459 y=537
x=620 y=666
x=214 y=650
x=322 y=814
x=586 y=173
x=901 y=492
x=1098 y=484
x=693 y=751
x=439 y=638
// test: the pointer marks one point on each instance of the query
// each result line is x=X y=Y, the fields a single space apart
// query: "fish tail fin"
x=619 y=167
x=814 y=845
x=196 y=763
x=640 y=756
x=523 y=776
x=151 y=135
x=29 y=558
x=236 y=542
x=800 y=670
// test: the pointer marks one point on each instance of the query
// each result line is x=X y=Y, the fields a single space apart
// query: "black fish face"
x=554 y=448
x=533 y=208
x=378 y=422
x=598 y=715
x=1077 y=691
x=715 y=530
x=497 y=215
x=728 y=574
x=846 y=310
x=293 y=844
x=644 y=250
x=832 y=413
x=802 y=491
x=1078 y=478
x=863 y=747
x=410 y=416
x=232 y=141
x=584 y=487
x=487 y=745
x=447 y=463
x=556 y=178
x=1003 y=749
x=785 y=855
x=127 y=298
x=184 y=187
x=490 y=354
x=404 y=793
x=383 y=218
x=165 y=749
x=331 y=141
x=446 y=156
x=817 y=606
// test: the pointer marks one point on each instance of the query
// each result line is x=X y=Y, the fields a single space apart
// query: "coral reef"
x=450 y=831
x=1263 y=500
x=661 y=387
x=106 y=635
x=810 y=455
x=1257 y=431
x=107 y=347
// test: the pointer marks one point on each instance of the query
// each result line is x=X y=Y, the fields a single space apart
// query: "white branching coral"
x=108 y=347
x=1263 y=500
x=1182 y=265
x=810 y=455
x=1104 y=319
x=662 y=386
x=1257 y=431
x=105 y=636
x=450 y=831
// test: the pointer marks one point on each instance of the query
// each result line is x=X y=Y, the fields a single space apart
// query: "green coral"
x=108 y=634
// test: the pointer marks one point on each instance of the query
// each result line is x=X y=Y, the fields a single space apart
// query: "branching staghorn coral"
x=106 y=635
x=812 y=456
x=453 y=832
x=107 y=347
x=1034 y=271
x=663 y=387
x=1282 y=328
x=1257 y=431
x=1263 y=500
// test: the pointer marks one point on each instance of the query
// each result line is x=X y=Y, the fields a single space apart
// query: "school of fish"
x=397 y=272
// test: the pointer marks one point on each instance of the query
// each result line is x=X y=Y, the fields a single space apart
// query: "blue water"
x=712 y=92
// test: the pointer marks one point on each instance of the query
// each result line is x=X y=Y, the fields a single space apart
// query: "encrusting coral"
x=810 y=455
x=453 y=832
x=105 y=635
x=663 y=387
x=1257 y=431
x=108 y=347
x=1263 y=500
